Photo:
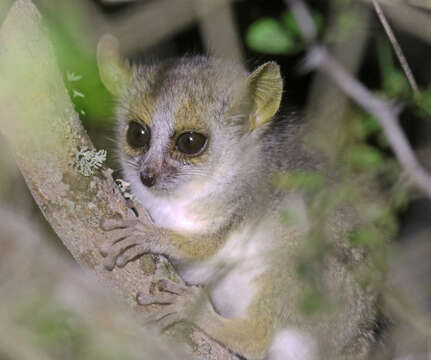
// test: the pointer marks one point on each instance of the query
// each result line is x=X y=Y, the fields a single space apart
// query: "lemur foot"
x=180 y=303
x=127 y=239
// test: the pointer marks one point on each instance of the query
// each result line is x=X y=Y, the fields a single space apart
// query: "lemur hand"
x=128 y=238
x=180 y=302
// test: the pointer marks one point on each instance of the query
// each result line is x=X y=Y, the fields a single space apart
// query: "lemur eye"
x=191 y=143
x=138 y=135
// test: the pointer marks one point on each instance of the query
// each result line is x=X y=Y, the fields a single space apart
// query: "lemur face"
x=163 y=156
x=178 y=125
x=188 y=123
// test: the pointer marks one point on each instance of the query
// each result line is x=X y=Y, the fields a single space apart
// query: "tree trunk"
x=40 y=123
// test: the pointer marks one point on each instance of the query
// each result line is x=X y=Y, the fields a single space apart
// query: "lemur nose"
x=148 y=179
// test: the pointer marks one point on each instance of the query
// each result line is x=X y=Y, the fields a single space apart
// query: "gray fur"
x=227 y=198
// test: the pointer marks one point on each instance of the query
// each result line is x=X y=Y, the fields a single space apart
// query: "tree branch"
x=386 y=114
x=39 y=121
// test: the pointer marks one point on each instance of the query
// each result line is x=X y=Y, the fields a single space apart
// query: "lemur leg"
x=249 y=336
x=127 y=239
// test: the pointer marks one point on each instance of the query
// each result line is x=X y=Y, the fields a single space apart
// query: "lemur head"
x=187 y=122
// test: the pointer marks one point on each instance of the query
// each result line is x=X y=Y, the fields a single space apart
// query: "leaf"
x=369 y=125
x=268 y=36
x=395 y=84
x=369 y=238
x=313 y=302
x=424 y=102
x=364 y=157
x=289 y=22
x=79 y=67
x=300 y=180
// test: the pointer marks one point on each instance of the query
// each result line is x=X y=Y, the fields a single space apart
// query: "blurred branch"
x=420 y=3
x=4 y=7
x=304 y=19
x=15 y=344
x=397 y=48
x=147 y=24
x=325 y=115
x=386 y=114
x=218 y=30
x=37 y=283
x=39 y=121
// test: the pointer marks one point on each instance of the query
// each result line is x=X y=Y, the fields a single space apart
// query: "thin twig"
x=397 y=48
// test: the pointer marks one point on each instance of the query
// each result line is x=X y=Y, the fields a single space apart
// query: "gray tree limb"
x=40 y=123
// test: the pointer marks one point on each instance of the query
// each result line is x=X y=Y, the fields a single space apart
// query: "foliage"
x=360 y=174
x=278 y=36
x=58 y=330
x=78 y=63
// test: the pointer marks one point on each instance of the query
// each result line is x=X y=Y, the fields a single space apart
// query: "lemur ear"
x=265 y=88
x=114 y=72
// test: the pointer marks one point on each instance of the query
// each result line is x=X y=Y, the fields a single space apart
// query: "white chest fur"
x=231 y=274
x=174 y=214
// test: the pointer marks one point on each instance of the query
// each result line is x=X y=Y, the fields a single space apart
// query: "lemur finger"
x=112 y=224
x=155 y=316
x=169 y=319
x=114 y=237
x=171 y=287
x=168 y=311
x=131 y=253
x=109 y=263
x=160 y=299
x=145 y=217
x=114 y=252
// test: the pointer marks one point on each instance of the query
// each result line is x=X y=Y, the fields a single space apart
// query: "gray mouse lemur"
x=199 y=144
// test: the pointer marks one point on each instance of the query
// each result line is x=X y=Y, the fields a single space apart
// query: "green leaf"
x=369 y=238
x=78 y=63
x=364 y=157
x=347 y=21
x=424 y=101
x=313 y=302
x=289 y=22
x=268 y=36
x=369 y=125
x=300 y=180
x=395 y=84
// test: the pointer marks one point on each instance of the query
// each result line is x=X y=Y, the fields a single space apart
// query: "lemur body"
x=199 y=144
